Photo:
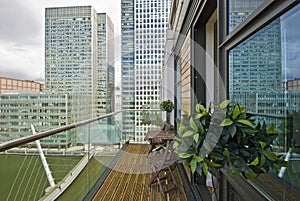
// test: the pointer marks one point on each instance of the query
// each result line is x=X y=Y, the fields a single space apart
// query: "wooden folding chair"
x=162 y=163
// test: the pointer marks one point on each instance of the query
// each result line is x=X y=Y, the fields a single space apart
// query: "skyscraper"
x=105 y=59
x=144 y=25
x=78 y=53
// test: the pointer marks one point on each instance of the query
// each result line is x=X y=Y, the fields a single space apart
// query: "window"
x=263 y=76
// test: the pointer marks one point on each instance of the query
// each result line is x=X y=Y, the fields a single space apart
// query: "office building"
x=105 y=59
x=144 y=25
x=79 y=54
x=292 y=84
x=11 y=85
x=44 y=112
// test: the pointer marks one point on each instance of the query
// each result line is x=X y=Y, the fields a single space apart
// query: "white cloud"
x=22 y=33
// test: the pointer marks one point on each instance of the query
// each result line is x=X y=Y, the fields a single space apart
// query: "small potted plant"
x=226 y=137
x=167 y=106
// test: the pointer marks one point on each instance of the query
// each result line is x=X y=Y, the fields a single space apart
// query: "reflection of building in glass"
x=10 y=85
x=143 y=36
x=44 y=112
x=293 y=84
x=279 y=108
x=239 y=11
x=73 y=36
x=255 y=65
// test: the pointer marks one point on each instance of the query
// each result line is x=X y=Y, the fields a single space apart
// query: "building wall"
x=293 y=84
x=69 y=52
x=127 y=65
x=10 y=85
x=144 y=26
x=44 y=112
x=105 y=69
x=79 y=54
x=185 y=55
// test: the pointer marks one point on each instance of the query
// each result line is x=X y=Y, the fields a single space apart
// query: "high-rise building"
x=106 y=70
x=79 y=54
x=144 y=25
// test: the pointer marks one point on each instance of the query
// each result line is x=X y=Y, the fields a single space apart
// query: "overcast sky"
x=22 y=34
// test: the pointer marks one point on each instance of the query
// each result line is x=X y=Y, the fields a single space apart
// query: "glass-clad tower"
x=79 y=54
x=106 y=70
x=70 y=41
x=127 y=65
x=144 y=25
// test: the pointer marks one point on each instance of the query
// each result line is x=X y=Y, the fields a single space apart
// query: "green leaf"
x=193 y=124
x=255 y=162
x=271 y=129
x=226 y=122
x=197 y=158
x=193 y=164
x=198 y=116
x=175 y=145
x=236 y=111
x=199 y=108
x=250 y=176
x=204 y=168
x=270 y=155
x=196 y=137
x=177 y=139
x=212 y=164
x=188 y=133
x=184 y=155
x=224 y=104
x=233 y=169
x=226 y=153
x=246 y=122
x=181 y=128
x=262 y=160
x=262 y=144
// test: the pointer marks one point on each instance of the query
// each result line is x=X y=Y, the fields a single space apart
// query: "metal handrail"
x=20 y=141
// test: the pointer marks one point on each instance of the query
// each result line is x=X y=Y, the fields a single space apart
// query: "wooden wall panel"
x=185 y=75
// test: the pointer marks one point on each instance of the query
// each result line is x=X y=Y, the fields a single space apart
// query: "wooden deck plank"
x=130 y=177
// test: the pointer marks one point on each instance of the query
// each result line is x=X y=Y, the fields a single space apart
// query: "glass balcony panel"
x=76 y=158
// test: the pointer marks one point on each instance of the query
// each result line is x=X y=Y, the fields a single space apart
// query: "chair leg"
x=173 y=178
x=161 y=189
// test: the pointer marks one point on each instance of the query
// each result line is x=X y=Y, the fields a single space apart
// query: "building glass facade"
x=142 y=60
x=79 y=54
x=44 y=112
x=105 y=59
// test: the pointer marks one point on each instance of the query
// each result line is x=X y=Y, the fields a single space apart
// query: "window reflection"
x=264 y=76
x=239 y=10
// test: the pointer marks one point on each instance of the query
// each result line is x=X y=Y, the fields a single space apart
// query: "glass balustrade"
x=70 y=160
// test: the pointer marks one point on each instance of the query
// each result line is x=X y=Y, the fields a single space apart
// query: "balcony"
x=97 y=161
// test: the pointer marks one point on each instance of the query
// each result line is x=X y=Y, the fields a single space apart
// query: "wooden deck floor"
x=129 y=179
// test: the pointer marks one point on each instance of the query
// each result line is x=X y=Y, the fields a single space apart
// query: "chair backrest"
x=170 y=156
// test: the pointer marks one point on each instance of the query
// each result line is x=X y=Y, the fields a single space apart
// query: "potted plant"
x=167 y=106
x=226 y=136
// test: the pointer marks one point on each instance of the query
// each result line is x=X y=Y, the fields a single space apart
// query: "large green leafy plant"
x=226 y=136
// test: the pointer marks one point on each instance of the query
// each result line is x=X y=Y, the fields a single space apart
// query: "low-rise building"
x=44 y=112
